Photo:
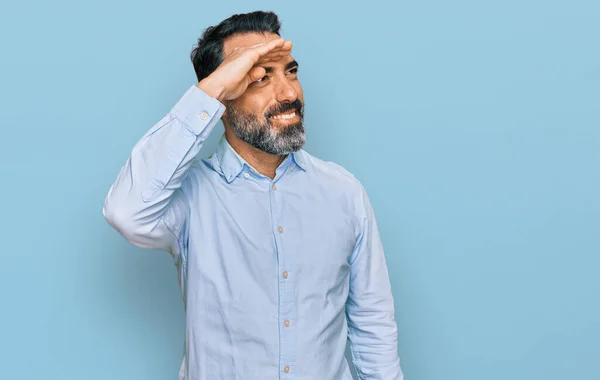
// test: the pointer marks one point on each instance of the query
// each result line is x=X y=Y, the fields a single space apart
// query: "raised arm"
x=146 y=203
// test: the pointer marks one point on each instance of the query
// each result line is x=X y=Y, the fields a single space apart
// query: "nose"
x=285 y=91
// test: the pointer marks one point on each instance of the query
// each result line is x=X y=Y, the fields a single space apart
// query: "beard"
x=262 y=135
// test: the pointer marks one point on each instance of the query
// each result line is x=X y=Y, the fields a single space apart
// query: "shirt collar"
x=300 y=159
x=231 y=163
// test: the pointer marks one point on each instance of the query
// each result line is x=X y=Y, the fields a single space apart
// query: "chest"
x=253 y=232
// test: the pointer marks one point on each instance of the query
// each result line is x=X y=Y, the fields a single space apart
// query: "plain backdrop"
x=473 y=125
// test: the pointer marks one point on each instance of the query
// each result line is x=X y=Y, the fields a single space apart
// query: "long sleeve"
x=146 y=204
x=370 y=311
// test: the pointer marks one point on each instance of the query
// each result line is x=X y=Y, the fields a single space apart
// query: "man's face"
x=269 y=115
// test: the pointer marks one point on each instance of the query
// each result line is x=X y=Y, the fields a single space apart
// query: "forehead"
x=246 y=40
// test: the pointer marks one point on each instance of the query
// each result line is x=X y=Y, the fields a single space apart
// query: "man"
x=278 y=253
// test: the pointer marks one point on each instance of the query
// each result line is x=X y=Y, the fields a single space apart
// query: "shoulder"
x=334 y=175
x=200 y=171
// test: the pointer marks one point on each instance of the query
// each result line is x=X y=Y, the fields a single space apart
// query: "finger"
x=279 y=47
x=269 y=46
x=273 y=46
x=270 y=59
x=285 y=49
x=276 y=54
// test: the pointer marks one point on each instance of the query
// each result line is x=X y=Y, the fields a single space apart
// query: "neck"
x=265 y=163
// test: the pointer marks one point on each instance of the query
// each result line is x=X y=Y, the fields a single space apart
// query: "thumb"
x=256 y=73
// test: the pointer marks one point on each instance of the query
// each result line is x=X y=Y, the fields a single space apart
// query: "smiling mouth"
x=284 y=116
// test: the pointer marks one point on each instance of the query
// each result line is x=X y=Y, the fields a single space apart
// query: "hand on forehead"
x=248 y=40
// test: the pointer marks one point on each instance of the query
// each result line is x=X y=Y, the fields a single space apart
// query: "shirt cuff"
x=196 y=109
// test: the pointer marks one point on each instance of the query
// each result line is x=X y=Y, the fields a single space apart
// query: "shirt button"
x=274 y=187
x=286 y=369
x=280 y=229
x=203 y=115
x=285 y=274
x=291 y=168
x=286 y=323
x=246 y=175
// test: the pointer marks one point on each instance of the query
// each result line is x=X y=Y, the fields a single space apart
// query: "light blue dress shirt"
x=276 y=274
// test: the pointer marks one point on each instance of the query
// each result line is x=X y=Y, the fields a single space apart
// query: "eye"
x=293 y=71
x=263 y=79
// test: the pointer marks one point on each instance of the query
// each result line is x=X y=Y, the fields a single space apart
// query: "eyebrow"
x=288 y=66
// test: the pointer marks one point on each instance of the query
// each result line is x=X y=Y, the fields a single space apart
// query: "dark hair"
x=208 y=54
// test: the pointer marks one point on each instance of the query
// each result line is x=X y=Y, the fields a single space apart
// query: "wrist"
x=212 y=88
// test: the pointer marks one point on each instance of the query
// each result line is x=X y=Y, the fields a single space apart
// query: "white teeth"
x=284 y=116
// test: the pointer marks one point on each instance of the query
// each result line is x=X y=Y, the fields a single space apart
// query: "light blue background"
x=474 y=125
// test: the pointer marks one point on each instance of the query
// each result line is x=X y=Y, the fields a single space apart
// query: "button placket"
x=287 y=308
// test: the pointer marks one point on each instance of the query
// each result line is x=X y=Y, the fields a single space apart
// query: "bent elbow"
x=115 y=217
x=123 y=221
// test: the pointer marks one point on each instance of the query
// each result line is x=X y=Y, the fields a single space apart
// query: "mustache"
x=296 y=105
